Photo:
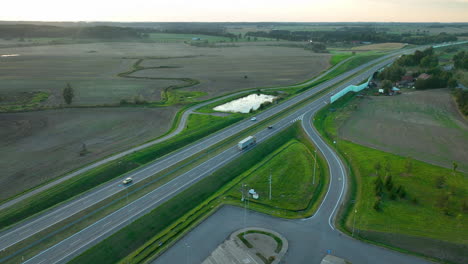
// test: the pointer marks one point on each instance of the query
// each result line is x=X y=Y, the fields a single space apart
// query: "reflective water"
x=244 y=104
x=9 y=55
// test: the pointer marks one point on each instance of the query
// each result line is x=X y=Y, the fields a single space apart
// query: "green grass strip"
x=135 y=235
x=199 y=127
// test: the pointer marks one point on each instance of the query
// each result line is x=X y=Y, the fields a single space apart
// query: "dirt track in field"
x=421 y=124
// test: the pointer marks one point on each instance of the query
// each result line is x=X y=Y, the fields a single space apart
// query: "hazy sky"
x=236 y=10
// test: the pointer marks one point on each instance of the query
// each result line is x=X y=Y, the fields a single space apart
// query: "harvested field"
x=222 y=70
x=424 y=125
x=92 y=69
x=380 y=47
x=45 y=144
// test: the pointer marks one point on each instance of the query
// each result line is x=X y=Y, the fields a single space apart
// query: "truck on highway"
x=248 y=141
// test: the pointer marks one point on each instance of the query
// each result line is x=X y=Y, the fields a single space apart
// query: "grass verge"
x=420 y=208
x=160 y=228
x=199 y=126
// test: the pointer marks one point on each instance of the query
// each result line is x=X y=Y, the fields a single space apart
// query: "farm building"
x=423 y=76
x=406 y=81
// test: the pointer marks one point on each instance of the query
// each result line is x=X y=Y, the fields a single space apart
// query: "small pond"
x=9 y=55
x=244 y=104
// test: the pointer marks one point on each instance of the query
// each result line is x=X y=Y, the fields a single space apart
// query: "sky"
x=236 y=10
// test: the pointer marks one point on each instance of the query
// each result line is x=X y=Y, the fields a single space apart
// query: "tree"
x=377 y=167
x=440 y=182
x=377 y=206
x=378 y=186
x=68 y=94
x=387 y=86
x=429 y=62
x=452 y=83
x=389 y=182
x=455 y=166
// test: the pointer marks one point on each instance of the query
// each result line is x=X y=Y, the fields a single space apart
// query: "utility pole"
x=270 y=184
x=315 y=165
x=245 y=208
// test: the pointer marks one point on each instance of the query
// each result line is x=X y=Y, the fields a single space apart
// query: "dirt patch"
x=421 y=124
x=43 y=145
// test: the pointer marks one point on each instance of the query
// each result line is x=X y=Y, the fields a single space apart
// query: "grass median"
x=160 y=228
x=419 y=207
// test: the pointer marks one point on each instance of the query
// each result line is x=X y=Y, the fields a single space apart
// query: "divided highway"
x=47 y=219
x=108 y=225
x=77 y=243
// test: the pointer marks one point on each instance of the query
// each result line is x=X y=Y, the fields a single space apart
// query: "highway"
x=182 y=124
x=108 y=225
x=60 y=213
x=77 y=243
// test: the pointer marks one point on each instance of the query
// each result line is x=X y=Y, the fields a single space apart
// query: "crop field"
x=424 y=125
x=37 y=76
x=222 y=70
x=92 y=69
x=44 y=144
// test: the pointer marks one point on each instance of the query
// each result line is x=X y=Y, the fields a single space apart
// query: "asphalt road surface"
x=108 y=225
x=77 y=243
x=60 y=213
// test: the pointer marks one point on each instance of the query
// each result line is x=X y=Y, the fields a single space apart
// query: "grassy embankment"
x=426 y=218
x=198 y=126
x=156 y=231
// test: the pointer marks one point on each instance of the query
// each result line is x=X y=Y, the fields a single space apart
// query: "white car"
x=253 y=119
x=127 y=181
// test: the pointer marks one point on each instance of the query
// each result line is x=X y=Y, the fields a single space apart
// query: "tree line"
x=102 y=32
x=428 y=62
x=348 y=34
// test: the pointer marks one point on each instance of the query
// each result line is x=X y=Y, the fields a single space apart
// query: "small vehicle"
x=127 y=180
x=270 y=127
x=253 y=119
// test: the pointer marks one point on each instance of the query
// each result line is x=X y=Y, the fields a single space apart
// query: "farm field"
x=222 y=70
x=424 y=125
x=91 y=69
x=39 y=74
x=45 y=144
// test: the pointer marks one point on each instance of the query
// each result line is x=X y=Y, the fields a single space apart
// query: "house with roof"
x=423 y=76
x=406 y=81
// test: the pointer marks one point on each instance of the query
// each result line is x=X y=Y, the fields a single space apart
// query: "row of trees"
x=461 y=96
x=100 y=32
x=348 y=34
x=426 y=60
x=460 y=60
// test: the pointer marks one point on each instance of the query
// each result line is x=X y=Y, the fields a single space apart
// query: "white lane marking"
x=75 y=242
x=330 y=181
